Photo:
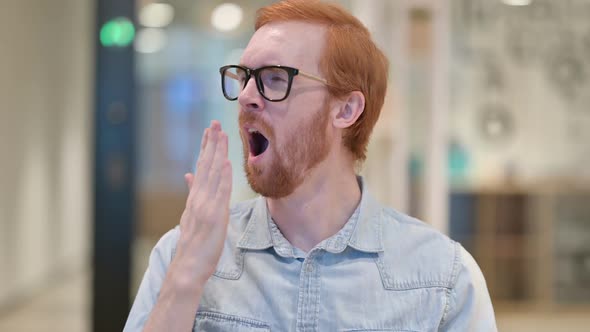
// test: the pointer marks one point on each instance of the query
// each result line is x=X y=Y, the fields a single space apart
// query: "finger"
x=202 y=150
x=188 y=178
x=217 y=164
x=204 y=139
x=203 y=145
x=225 y=184
x=216 y=125
x=206 y=156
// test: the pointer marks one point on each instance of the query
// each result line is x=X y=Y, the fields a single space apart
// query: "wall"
x=45 y=142
x=521 y=91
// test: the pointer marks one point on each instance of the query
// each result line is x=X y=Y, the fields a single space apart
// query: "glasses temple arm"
x=231 y=75
x=313 y=77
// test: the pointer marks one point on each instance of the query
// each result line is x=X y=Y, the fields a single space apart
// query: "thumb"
x=188 y=178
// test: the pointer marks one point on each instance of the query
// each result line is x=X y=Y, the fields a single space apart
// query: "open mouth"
x=257 y=142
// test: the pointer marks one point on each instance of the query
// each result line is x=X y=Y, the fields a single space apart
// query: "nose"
x=250 y=99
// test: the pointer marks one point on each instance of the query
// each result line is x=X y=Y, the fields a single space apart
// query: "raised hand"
x=203 y=225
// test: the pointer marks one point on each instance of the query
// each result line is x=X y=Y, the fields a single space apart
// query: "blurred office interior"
x=485 y=134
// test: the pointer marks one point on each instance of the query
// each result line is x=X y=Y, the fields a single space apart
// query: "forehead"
x=291 y=43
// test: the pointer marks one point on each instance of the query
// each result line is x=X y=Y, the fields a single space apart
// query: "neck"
x=320 y=206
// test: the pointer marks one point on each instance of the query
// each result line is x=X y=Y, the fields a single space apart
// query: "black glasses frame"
x=291 y=72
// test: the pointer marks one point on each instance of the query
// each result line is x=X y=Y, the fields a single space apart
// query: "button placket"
x=309 y=292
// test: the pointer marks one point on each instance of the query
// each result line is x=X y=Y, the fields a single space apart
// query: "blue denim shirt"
x=383 y=271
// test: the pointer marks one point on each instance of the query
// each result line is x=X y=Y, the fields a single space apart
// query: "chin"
x=274 y=184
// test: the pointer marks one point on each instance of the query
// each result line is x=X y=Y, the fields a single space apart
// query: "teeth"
x=252 y=130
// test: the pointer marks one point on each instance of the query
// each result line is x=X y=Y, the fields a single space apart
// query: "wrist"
x=187 y=275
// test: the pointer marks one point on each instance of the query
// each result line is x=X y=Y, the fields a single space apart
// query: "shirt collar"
x=361 y=232
x=366 y=236
x=256 y=236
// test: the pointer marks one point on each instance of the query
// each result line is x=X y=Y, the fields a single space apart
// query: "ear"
x=350 y=110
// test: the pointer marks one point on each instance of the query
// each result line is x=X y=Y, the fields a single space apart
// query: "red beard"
x=306 y=147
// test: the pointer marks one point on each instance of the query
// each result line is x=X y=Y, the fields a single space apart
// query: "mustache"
x=254 y=119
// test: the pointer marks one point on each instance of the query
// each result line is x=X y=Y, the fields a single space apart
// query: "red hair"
x=351 y=61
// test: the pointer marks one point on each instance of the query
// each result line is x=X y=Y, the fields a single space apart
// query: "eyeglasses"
x=273 y=82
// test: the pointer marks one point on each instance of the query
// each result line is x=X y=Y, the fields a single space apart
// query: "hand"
x=203 y=225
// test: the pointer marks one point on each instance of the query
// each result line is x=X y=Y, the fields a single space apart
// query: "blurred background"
x=485 y=134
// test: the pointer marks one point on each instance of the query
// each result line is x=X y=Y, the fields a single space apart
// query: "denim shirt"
x=383 y=271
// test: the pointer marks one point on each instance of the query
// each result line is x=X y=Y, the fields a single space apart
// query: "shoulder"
x=415 y=255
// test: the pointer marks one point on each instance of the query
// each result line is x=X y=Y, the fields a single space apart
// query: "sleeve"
x=469 y=307
x=148 y=292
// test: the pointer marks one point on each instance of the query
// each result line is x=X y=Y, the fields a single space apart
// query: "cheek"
x=289 y=146
x=304 y=102
x=294 y=127
x=283 y=139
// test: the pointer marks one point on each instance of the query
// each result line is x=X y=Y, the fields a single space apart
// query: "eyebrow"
x=264 y=64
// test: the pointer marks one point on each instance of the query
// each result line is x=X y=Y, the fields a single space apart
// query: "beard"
x=304 y=148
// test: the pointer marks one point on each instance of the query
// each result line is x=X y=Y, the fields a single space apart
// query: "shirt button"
x=309 y=268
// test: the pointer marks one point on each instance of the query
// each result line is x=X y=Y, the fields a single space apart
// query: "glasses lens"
x=275 y=82
x=233 y=82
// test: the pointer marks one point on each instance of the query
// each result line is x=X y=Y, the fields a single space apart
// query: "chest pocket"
x=207 y=321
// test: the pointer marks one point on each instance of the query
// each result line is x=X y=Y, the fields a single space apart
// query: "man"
x=315 y=252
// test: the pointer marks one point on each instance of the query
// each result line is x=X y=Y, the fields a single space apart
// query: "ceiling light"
x=517 y=2
x=156 y=15
x=226 y=17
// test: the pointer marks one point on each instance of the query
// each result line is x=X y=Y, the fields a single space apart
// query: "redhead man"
x=314 y=252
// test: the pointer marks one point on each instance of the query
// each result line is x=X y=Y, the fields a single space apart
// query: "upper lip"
x=247 y=129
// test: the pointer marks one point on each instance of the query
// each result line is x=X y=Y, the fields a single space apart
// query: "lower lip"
x=252 y=159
